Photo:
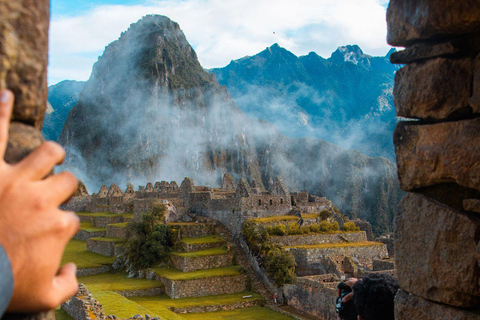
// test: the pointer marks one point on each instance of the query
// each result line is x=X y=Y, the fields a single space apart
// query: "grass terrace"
x=202 y=253
x=202 y=240
x=255 y=313
x=177 y=275
x=105 y=239
x=117 y=282
x=156 y=303
x=275 y=219
x=115 y=303
x=88 y=226
x=76 y=251
x=338 y=245
x=185 y=224
x=119 y=225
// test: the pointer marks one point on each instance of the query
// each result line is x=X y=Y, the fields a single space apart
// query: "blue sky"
x=218 y=30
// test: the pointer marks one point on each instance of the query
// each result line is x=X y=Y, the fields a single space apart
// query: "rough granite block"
x=409 y=306
x=434 y=89
x=410 y=21
x=438 y=153
x=436 y=252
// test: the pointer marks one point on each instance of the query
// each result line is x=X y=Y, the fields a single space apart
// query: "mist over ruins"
x=250 y=191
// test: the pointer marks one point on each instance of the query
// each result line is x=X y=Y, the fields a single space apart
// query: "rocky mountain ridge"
x=345 y=99
x=150 y=111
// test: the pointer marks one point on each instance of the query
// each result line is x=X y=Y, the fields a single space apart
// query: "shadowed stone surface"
x=24 y=57
x=475 y=99
x=471 y=205
x=461 y=46
x=409 y=20
x=408 y=307
x=436 y=89
x=21 y=141
x=438 y=153
x=50 y=315
x=439 y=261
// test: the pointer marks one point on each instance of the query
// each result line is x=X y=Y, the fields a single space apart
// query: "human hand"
x=33 y=230
x=350 y=282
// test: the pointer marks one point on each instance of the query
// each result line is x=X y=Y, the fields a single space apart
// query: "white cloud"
x=222 y=30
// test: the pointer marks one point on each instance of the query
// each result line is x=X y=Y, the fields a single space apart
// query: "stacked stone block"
x=438 y=156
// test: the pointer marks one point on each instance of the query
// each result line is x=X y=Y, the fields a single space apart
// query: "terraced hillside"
x=323 y=253
x=201 y=282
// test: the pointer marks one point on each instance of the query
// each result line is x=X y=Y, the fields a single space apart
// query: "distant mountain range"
x=150 y=112
x=346 y=99
x=62 y=97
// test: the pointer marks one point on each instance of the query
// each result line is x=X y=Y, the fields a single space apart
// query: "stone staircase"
x=203 y=263
x=104 y=232
x=203 y=266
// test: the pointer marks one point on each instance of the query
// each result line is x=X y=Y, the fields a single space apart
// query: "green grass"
x=203 y=240
x=338 y=245
x=128 y=216
x=310 y=216
x=96 y=214
x=117 y=282
x=157 y=303
x=76 y=251
x=61 y=314
x=175 y=274
x=254 y=313
x=88 y=226
x=119 y=225
x=114 y=303
x=202 y=253
x=106 y=239
x=185 y=224
x=275 y=219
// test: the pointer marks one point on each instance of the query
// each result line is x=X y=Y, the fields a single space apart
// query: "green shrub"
x=278 y=230
x=280 y=265
x=350 y=226
x=148 y=241
x=328 y=226
x=315 y=228
x=293 y=228
x=325 y=214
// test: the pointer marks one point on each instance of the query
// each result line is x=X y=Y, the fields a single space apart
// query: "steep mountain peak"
x=276 y=51
x=349 y=53
x=392 y=50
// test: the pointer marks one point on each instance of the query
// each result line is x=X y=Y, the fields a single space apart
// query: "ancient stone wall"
x=313 y=297
x=106 y=248
x=113 y=231
x=204 y=287
x=317 y=238
x=310 y=257
x=103 y=221
x=201 y=263
x=438 y=157
x=85 y=235
x=83 y=306
x=384 y=264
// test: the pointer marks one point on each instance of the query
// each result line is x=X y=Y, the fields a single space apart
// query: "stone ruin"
x=438 y=156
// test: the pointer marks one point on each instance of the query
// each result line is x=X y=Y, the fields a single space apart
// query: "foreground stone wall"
x=437 y=231
x=313 y=297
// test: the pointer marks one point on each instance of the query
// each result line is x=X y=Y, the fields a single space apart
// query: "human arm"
x=33 y=230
